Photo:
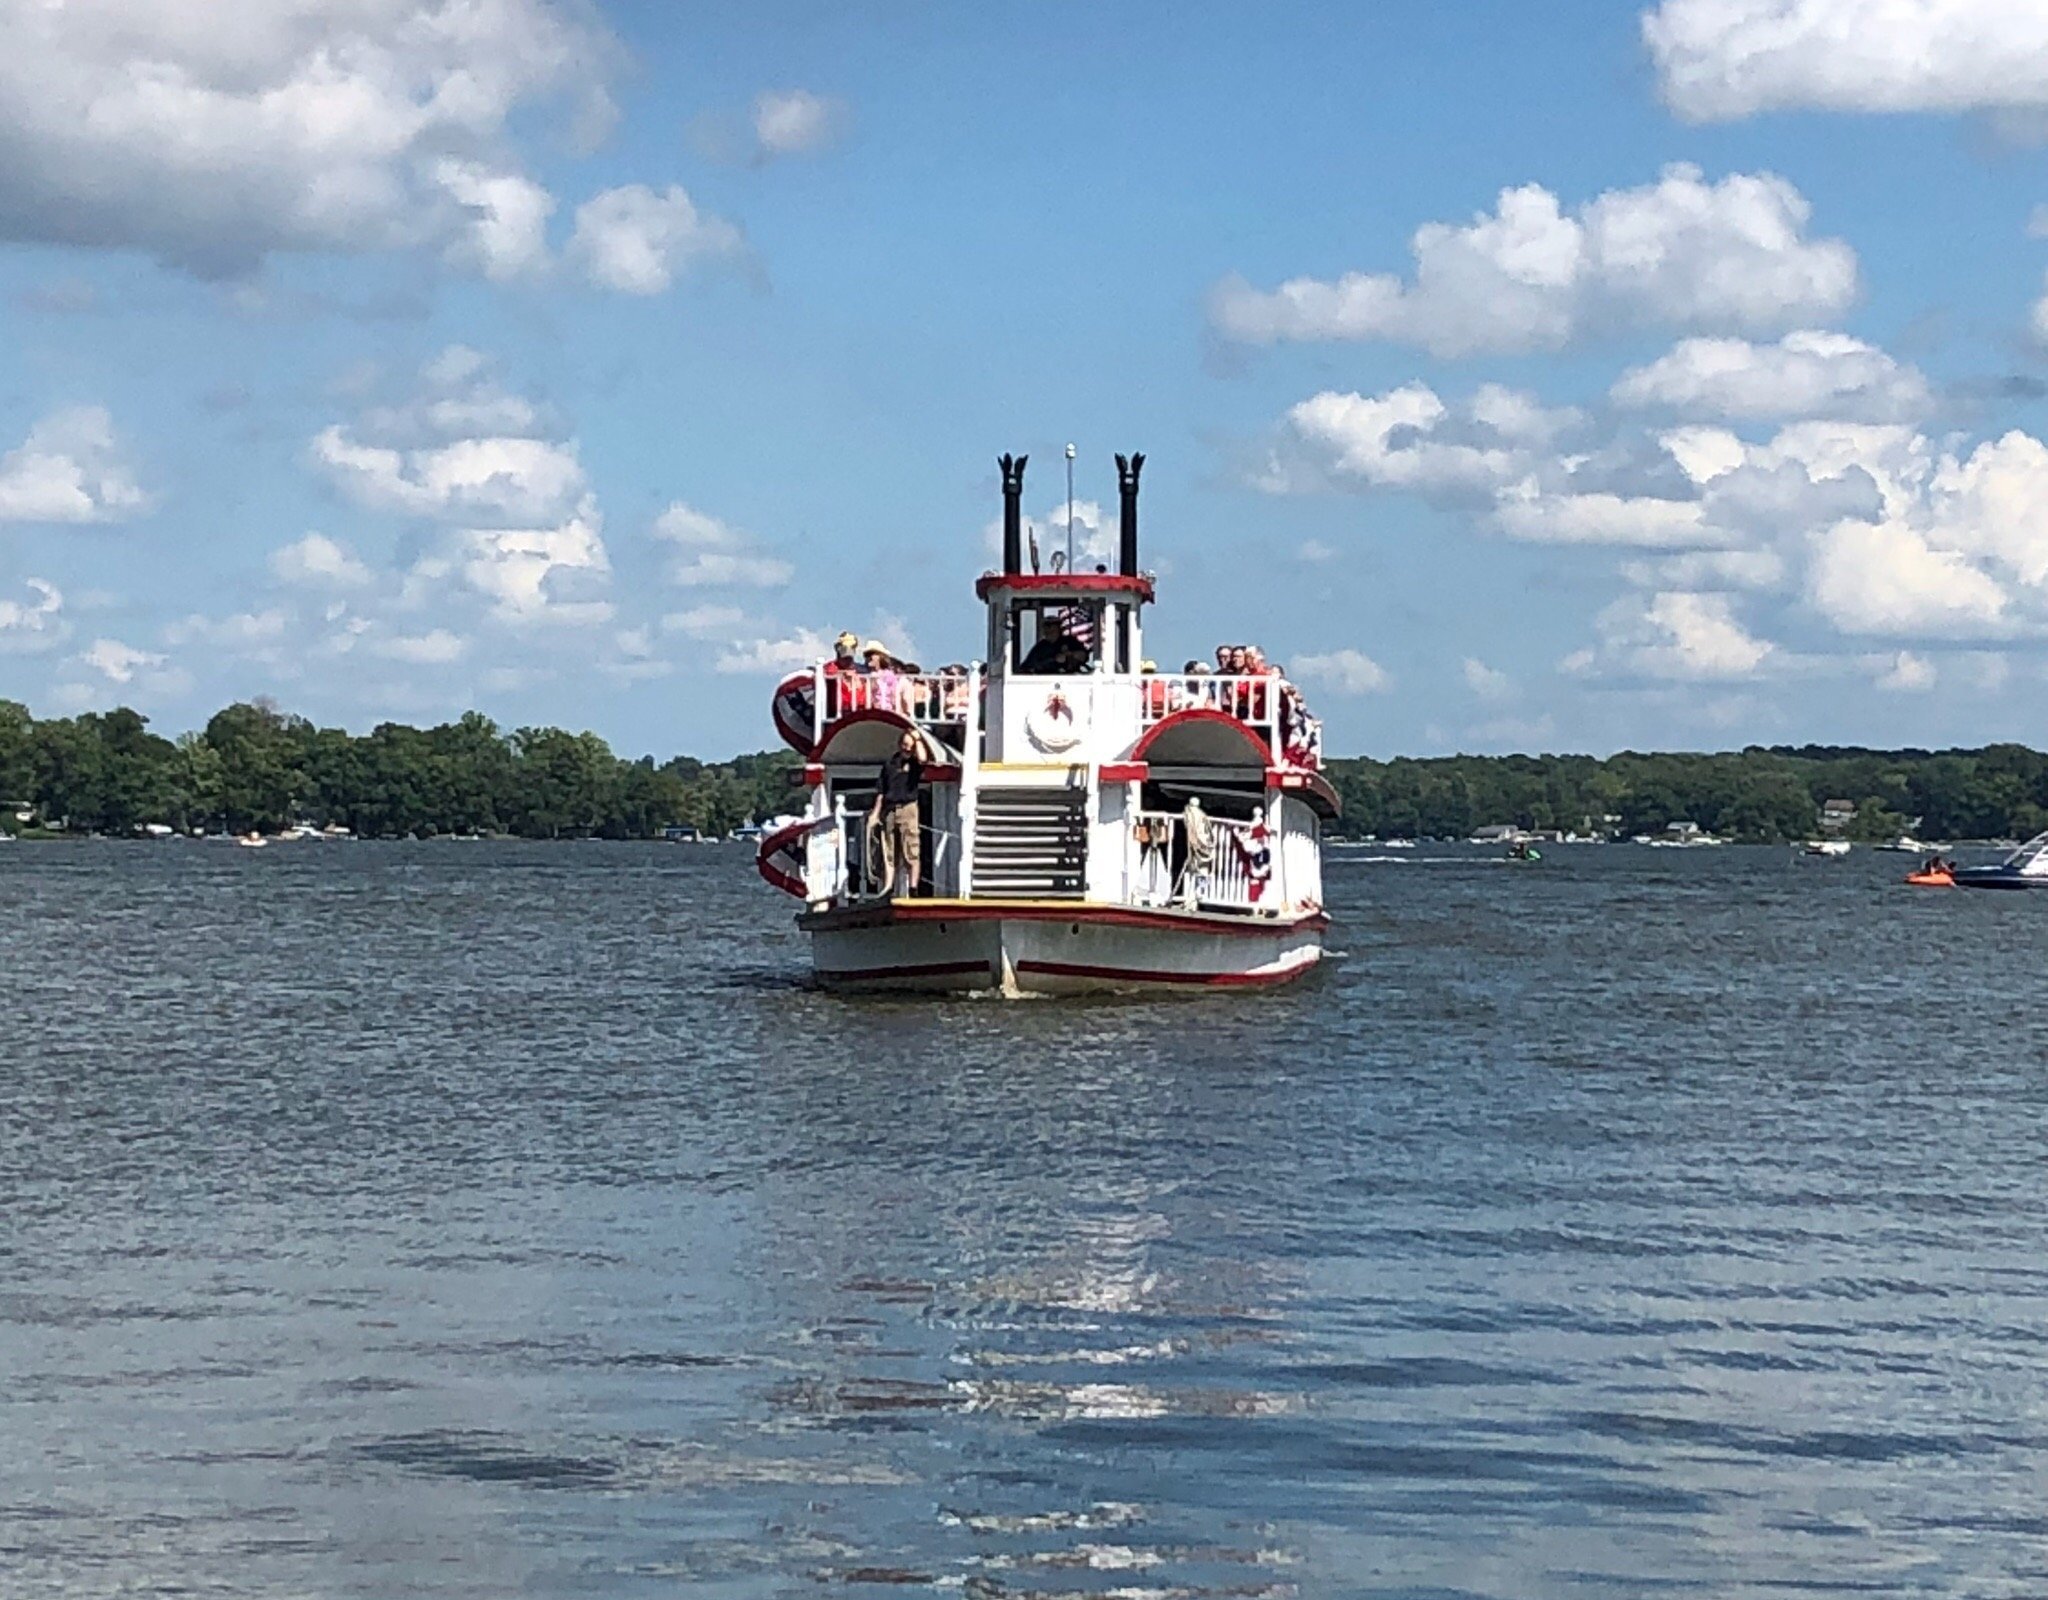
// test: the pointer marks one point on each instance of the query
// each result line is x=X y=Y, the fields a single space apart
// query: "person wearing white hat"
x=884 y=680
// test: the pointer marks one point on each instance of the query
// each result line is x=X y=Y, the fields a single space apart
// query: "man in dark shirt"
x=895 y=810
x=1057 y=651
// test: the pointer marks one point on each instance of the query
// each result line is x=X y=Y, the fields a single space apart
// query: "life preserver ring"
x=1053 y=727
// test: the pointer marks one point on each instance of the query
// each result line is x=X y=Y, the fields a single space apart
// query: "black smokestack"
x=1013 y=511
x=1127 y=470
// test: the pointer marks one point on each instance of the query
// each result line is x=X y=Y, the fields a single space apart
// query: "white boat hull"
x=1054 y=948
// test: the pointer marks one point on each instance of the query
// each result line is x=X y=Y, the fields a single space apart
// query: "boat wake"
x=1397 y=861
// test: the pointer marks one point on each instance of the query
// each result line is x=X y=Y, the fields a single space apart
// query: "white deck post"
x=970 y=776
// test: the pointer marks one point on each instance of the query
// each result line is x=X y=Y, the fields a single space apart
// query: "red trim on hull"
x=1125 y=772
x=1214 y=980
x=928 y=969
x=902 y=911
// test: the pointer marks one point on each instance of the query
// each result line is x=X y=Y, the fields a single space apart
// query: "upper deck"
x=1058 y=719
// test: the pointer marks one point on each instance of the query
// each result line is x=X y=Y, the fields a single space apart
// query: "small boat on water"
x=1086 y=825
x=2025 y=868
x=1834 y=849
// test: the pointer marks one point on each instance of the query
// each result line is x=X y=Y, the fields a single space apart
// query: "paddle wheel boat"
x=1090 y=830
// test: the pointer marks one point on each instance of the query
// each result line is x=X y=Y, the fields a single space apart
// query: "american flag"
x=1079 y=623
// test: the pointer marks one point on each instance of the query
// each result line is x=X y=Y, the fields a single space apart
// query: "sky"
x=1654 y=374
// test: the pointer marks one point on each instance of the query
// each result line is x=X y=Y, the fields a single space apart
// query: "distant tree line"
x=1763 y=795
x=256 y=767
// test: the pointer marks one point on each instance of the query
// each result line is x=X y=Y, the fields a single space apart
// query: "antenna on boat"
x=1070 y=508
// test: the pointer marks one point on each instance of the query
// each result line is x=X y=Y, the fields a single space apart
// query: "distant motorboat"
x=1827 y=847
x=1906 y=844
x=1398 y=844
x=2025 y=868
x=251 y=841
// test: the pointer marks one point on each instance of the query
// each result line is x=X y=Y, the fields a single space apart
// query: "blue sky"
x=1564 y=377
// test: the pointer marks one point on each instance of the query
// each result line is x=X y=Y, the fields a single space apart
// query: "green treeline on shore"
x=255 y=767
x=1757 y=795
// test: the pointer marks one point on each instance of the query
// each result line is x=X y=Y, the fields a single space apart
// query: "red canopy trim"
x=870 y=736
x=1213 y=740
x=1062 y=583
x=1312 y=787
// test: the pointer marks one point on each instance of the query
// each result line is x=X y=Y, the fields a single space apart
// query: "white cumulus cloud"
x=1673 y=635
x=1807 y=373
x=212 y=134
x=1906 y=673
x=118 y=662
x=789 y=122
x=515 y=521
x=760 y=656
x=1886 y=578
x=1719 y=59
x=635 y=241
x=36 y=623
x=436 y=647
x=1488 y=683
x=318 y=562
x=68 y=470
x=714 y=554
x=1732 y=256
x=1344 y=671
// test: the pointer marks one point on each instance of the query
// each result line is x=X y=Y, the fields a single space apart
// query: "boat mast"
x=1070 y=508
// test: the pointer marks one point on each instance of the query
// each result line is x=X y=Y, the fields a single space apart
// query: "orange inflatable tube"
x=1931 y=880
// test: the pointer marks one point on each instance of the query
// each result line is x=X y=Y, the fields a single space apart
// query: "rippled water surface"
x=474 y=1220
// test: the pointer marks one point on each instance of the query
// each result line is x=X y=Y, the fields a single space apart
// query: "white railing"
x=929 y=699
x=1229 y=880
x=825 y=857
x=1270 y=706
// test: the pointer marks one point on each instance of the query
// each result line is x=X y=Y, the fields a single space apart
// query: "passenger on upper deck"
x=1158 y=694
x=1057 y=652
x=882 y=683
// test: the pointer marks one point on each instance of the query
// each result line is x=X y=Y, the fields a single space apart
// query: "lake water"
x=493 y=1220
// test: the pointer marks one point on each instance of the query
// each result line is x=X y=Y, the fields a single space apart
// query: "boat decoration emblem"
x=1053 y=726
x=793 y=708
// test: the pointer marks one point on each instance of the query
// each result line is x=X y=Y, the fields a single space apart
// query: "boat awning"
x=866 y=738
x=1311 y=788
x=1202 y=738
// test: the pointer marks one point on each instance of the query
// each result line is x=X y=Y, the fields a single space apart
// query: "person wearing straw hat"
x=880 y=667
